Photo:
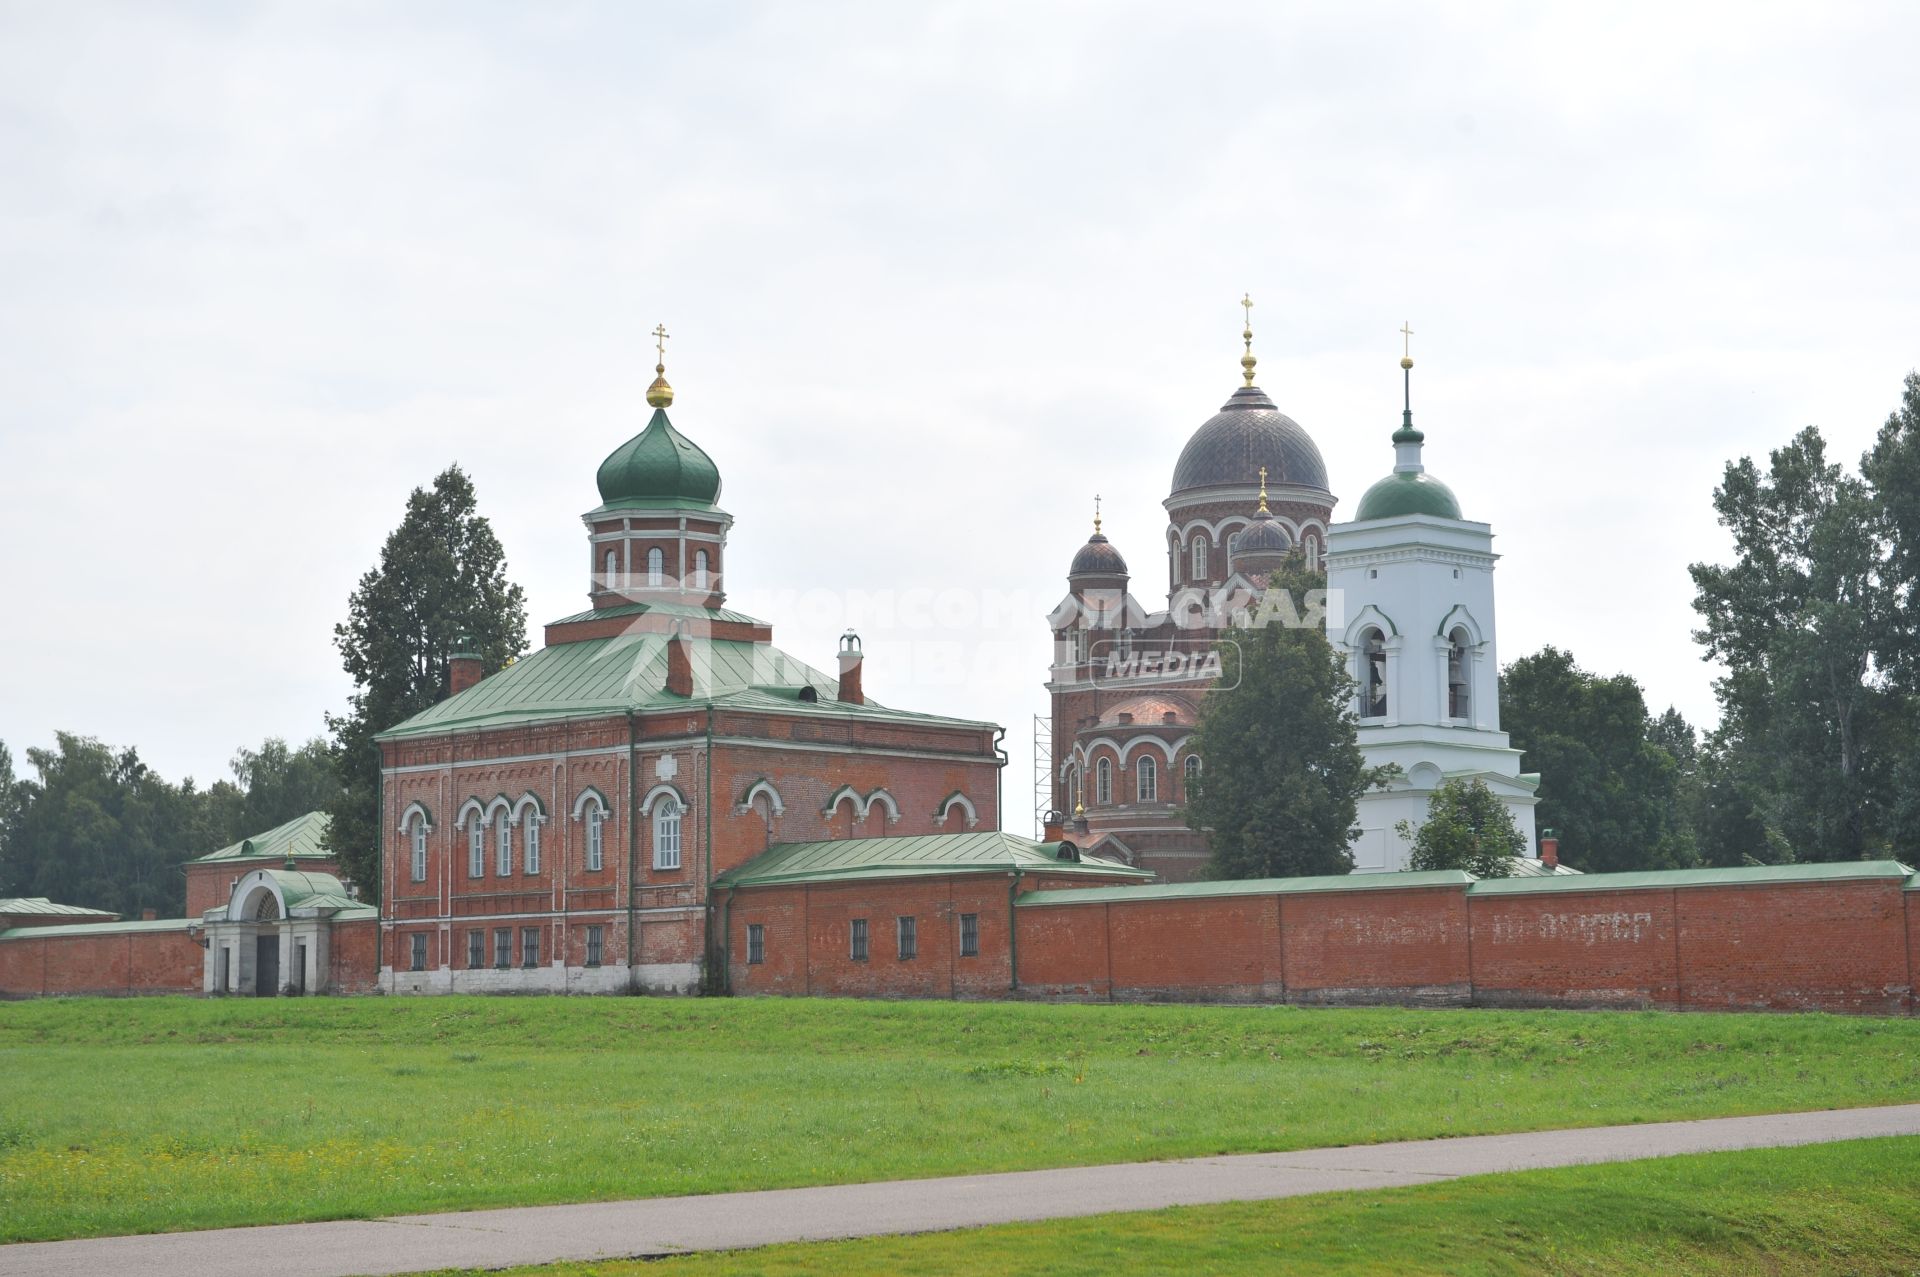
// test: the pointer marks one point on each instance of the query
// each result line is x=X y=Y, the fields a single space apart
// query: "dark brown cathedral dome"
x=1249 y=432
x=1098 y=558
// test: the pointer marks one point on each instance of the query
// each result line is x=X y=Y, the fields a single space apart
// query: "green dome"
x=659 y=466
x=1408 y=492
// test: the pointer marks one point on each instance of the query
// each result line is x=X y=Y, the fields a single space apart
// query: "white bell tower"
x=1410 y=602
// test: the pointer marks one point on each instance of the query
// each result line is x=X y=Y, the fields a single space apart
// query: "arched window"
x=656 y=567
x=477 y=846
x=1373 y=674
x=596 y=840
x=700 y=569
x=532 y=840
x=666 y=834
x=1459 y=675
x=1079 y=646
x=1199 y=559
x=503 y=846
x=1313 y=553
x=1071 y=788
x=1193 y=770
x=1103 y=783
x=1146 y=779
x=417 y=830
x=609 y=578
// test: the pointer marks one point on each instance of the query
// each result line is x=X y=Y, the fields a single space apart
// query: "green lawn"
x=154 y=1114
x=1832 y=1208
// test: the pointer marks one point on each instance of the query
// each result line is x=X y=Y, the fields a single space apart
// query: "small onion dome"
x=1098 y=558
x=1263 y=546
x=1408 y=492
x=659 y=467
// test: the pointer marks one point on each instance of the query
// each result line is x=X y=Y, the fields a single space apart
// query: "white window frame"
x=503 y=847
x=531 y=857
x=1192 y=767
x=611 y=576
x=1374 y=642
x=1103 y=783
x=596 y=837
x=1460 y=674
x=656 y=566
x=700 y=562
x=417 y=831
x=477 y=846
x=666 y=833
x=1199 y=559
x=1146 y=780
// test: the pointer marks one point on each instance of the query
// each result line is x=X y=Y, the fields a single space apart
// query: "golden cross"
x=1246 y=301
x=1263 y=490
x=660 y=336
x=1406 y=340
x=1096 y=512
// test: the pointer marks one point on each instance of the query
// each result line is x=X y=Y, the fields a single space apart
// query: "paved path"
x=669 y=1225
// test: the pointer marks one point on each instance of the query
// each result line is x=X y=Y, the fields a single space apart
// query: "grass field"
x=155 y=1114
x=1828 y=1209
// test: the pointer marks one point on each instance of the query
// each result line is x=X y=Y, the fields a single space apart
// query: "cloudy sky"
x=936 y=273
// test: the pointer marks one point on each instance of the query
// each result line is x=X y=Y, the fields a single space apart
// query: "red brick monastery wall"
x=108 y=962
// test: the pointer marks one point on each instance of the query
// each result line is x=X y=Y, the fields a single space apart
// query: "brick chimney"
x=148 y=915
x=680 y=664
x=1549 y=849
x=464 y=669
x=850 y=669
x=1056 y=826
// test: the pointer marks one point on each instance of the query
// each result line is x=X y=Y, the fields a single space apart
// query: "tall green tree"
x=1800 y=617
x=1283 y=774
x=441 y=586
x=278 y=783
x=1611 y=778
x=97 y=828
x=9 y=816
x=1467 y=827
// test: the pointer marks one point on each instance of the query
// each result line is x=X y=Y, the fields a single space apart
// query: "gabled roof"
x=922 y=855
x=299 y=839
x=41 y=907
x=614 y=675
x=1529 y=867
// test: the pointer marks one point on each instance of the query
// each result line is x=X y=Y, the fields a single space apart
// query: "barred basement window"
x=906 y=934
x=419 y=955
x=859 y=937
x=529 y=946
x=596 y=946
x=756 y=943
x=476 y=950
x=503 y=948
x=666 y=835
x=969 y=935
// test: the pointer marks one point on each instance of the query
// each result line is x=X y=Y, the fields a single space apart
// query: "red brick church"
x=569 y=823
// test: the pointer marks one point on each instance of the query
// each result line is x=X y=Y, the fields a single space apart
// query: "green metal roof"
x=41 y=907
x=1408 y=492
x=658 y=465
x=299 y=839
x=96 y=928
x=629 y=672
x=1529 y=867
x=1757 y=875
x=923 y=855
x=1249 y=887
x=686 y=610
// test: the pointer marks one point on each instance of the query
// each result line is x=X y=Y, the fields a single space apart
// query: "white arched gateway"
x=275 y=935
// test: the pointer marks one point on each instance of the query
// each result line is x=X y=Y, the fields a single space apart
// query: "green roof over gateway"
x=629 y=673
x=924 y=855
x=299 y=839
